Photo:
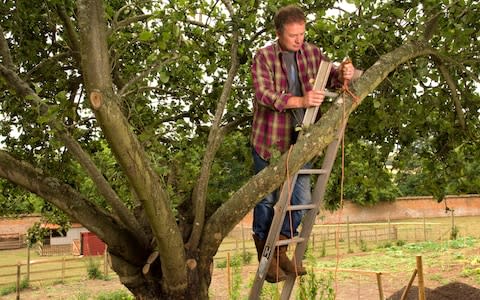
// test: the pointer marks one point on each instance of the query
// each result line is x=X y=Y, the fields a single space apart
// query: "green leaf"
x=145 y=36
x=164 y=77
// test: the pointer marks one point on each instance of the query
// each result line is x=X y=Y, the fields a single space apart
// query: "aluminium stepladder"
x=283 y=204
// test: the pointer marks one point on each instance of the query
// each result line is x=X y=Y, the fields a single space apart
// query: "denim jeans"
x=263 y=211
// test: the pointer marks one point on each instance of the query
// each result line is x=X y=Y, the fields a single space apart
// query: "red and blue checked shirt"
x=272 y=127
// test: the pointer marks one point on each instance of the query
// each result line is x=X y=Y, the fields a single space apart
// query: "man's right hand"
x=313 y=98
x=310 y=99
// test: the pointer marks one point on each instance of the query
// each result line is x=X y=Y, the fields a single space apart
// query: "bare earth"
x=363 y=287
x=443 y=282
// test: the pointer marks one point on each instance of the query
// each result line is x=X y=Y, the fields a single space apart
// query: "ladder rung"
x=331 y=94
x=295 y=240
x=301 y=206
x=312 y=171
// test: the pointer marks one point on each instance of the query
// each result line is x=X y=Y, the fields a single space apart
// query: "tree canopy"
x=132 y=117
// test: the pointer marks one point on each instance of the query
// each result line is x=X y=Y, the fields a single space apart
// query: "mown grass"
x=395 y=259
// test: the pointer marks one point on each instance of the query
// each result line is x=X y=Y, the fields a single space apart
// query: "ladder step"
x=312 y=171
x=301 y=206
x=330 y=94
x=295 y=240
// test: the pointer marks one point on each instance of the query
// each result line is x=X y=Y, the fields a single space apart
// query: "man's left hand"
x=347 y=71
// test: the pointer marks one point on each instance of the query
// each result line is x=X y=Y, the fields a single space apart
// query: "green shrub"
x=311 y=287
x=236 y=260
x=93 y=269
x=454 y=233
x=363 y=246
x=237 y=283
x=10 y=289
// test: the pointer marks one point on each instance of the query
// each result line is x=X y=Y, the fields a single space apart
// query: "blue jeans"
x=263 y=211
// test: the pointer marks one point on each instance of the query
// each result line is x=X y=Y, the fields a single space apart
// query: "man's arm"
x=264 y=87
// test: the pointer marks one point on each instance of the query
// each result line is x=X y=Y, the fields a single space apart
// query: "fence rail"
x=347 y=236
x=325 y=238
x=12 y=241
x=50 y=270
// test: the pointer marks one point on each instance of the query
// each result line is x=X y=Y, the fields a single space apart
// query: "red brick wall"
x=405 y=208
x=402 y=208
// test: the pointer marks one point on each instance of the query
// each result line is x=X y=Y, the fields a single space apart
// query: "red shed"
x=91 y=244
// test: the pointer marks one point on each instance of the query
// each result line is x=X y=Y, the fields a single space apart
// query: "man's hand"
x=347 y=71
x=310 y=99
x=313 y=98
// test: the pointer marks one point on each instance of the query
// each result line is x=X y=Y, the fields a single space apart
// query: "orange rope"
x=346 y=91
x=346 y=82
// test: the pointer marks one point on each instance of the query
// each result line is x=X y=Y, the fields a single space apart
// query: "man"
x=283 y=77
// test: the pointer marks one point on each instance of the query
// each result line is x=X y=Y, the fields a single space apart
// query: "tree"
x=132 y=117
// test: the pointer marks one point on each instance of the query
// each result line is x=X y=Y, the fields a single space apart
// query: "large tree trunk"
x=183 y=268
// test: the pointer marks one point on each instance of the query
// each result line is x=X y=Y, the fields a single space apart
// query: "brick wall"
x=402 y=208
x=405 y=208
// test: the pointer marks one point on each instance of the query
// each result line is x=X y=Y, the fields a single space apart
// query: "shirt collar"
x=279 y=50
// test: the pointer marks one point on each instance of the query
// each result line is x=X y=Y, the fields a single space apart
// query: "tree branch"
x=73 y=40
x=119 y=240
x=453 y=91
x=214 y=141
x=145 y=73
x=23 y=89
x=5 y=51
x=125 y=145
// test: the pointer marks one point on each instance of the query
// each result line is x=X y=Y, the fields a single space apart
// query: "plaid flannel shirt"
x=272 y=127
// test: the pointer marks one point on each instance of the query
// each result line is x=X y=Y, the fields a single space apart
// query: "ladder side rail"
x=320 y=84
x=317 y=199
x=283 y=202
x=280 y=209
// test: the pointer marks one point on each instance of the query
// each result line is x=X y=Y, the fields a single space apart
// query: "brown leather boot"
x=274 y=272
x=291 y=268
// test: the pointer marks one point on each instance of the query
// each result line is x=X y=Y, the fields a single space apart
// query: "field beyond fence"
x=357 y=237
x=45 y=271
x=325 y=240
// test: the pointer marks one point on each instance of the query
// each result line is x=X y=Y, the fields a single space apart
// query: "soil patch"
x=451 y=291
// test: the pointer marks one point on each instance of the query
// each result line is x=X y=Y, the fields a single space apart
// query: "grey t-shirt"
x=294 y=87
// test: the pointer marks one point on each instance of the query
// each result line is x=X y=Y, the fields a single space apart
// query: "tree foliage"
x=133 y=118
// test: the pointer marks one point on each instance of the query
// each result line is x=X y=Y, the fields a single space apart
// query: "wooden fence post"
x=421 y=282
x=18 y=280
x=243 y=243
x=313 y=242
x=348 y=235
x=228 y=276
x=409 y=285
x=380 y=286
x=389 y=228
x=105 y=263
x=424 y=229
x=63 y=269
x=28 y=263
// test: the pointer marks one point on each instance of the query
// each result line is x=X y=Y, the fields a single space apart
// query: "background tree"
x=132 y=117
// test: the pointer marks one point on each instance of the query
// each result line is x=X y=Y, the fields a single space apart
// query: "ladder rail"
x=318 y=195
x=283 y=203
x=267 y=255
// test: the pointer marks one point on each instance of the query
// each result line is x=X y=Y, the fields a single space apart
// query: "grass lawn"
x=444 y=261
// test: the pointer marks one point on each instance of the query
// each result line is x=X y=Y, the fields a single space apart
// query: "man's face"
x=292 y=36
